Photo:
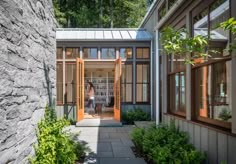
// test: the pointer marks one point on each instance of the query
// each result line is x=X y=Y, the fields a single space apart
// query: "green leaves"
x=55 y=145
x=135 y=115
x=179 y=42
x=166 y=144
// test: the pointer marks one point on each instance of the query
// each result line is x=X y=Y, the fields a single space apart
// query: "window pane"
x=128 y=92
x=139 y=73
x=126 y=53
x=213 y=91
x=90 y=53
x=72 y=53
x=145 y=73
x=59 y=53
x=108 y=53
x=219 y=12
x=139 y=53
x=129 y=73
x=177 y=92
x=59 y=82
x=201 y=23
x=139 y=93
x=145 y=92
x=70 y=82
x=146 y=53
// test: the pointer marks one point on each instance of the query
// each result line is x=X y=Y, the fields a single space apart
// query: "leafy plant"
x=55 y=145
x=179 y=42
x=229 y=25
x=135 y=115
x=166 y=144
x=225 y=115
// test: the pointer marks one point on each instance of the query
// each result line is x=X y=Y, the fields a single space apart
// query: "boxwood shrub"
x=166 y=144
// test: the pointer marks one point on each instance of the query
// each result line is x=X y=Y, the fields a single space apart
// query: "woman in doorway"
x=91 y=95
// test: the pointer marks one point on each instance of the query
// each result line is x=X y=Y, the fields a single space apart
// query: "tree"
x=100 y=13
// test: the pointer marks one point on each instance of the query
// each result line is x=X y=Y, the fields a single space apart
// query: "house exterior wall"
x=218 y=144
x=27 y=74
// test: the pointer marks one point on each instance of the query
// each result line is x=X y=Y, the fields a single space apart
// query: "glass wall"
x=59 y=82
x=72 y=53
x=142 y=82
x=70 y=82
x=108 y=53
x=127 y=83
x=90 y=53
x=126 y=53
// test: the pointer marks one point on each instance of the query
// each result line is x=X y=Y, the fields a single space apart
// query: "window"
x=205 y=23
x=177 y=93
x=70 y=83
x=72 y=53
x=90 y=53
x=59 y=53
x=108 y=53
x=162 y=11
x=142 y=53
x=142 y=82
x=59 y=83
x=126 y=53
x=213 y=93
x=127 y=83
x=171 y=3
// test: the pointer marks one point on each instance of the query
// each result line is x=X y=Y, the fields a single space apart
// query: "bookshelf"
x=103 y=83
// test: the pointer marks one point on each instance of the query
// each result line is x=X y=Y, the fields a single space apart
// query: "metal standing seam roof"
x=102 y=34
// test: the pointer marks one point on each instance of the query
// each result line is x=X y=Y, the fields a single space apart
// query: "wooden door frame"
x=117 y=105
x=79 y=89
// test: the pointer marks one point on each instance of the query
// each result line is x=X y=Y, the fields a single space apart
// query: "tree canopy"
x=100 y=13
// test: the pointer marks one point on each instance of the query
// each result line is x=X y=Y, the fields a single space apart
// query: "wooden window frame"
x=195 y=115
x=148 y=92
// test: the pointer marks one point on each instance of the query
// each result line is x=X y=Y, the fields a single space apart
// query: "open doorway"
x=101 y=74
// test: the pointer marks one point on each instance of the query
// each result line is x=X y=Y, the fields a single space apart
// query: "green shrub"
x=166 y=144
x=55 y=146
x=135 y=115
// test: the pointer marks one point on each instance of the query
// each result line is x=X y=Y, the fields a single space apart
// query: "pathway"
x=108 y=145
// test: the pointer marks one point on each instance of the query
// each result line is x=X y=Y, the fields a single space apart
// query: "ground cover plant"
x=55 y=145
x=166 y=144
x=128 y=117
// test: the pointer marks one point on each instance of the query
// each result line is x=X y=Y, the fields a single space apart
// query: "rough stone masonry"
x=27 y=73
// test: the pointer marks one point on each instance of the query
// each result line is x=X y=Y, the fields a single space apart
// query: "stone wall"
x=27 y=73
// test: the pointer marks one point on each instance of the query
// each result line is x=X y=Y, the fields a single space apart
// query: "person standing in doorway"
x=91 y=96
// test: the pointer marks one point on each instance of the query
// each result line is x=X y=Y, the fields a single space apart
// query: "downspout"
x=157 y=105
x=151 y=74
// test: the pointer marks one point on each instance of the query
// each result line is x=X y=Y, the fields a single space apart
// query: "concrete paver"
x=107 y=145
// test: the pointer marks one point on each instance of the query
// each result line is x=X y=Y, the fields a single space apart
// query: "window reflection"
x=90 y=53
x=108 y=53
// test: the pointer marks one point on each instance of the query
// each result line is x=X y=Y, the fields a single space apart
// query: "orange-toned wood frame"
x=117 y=81
x=80 y=89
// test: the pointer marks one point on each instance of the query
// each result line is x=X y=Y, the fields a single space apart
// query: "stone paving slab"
x=107 y=145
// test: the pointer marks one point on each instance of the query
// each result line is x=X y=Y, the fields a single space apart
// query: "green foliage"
x=100 y=13
x=229 y=25
x=179 y=42
x=55 y=145
x=135 y=115
x=166 y=144
x=225 y=115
